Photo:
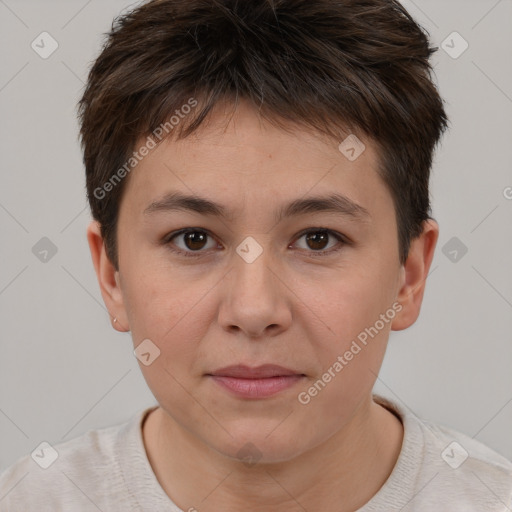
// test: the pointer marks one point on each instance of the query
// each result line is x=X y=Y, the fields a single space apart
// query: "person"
x=258 y=175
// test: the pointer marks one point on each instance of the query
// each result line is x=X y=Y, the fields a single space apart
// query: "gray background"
x=64 y=370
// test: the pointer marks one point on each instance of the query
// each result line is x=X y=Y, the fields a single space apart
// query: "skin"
x=288 y=307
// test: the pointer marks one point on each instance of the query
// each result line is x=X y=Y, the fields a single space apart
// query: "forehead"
x=250 y=160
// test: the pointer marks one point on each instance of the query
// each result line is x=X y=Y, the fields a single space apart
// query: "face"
x=250 y=281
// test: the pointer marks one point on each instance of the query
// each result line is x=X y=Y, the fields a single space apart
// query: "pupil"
x=195 y=240
x=195 y=237
x=318 y=237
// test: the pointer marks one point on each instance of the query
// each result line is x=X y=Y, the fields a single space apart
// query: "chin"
x=261 y=445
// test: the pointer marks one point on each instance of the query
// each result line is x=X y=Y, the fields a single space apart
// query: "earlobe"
x=108 y=278
x=414 y=274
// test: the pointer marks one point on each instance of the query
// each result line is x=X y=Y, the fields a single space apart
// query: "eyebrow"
x=333 y=203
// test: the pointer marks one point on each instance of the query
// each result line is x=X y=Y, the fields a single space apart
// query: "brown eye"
x=195 y=240
x=189 y=241
x=317 y=240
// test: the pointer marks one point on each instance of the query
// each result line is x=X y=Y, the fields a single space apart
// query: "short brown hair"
x=352 y=65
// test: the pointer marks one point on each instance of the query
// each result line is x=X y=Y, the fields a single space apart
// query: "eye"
x=193 y=240
x=317 y=239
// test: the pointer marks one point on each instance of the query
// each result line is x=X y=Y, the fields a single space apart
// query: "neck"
x=341 y=474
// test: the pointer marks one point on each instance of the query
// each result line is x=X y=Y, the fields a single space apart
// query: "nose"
x=256 y=300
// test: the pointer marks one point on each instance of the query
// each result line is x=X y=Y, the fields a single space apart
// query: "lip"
x=242 y=371
x=256 y=382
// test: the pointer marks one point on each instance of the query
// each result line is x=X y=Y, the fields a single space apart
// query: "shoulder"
x=442 y=469
x=467 y=471
x=464 y=470
x=460 y=452
x=74 y=475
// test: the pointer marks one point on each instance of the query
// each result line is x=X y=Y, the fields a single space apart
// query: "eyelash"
x=194 y=254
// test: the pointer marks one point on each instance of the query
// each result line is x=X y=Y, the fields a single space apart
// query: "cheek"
x=159 y=299
x=170 y=313
x=358 y=309
x=349 y=366
x=355 y=300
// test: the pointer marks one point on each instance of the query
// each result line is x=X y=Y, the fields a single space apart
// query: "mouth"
x=256 y=382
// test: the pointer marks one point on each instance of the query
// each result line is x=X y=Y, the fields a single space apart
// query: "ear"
x=413 y=276
x=108 y=278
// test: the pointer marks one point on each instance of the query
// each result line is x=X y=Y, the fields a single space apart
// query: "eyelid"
x=168 y=238
x=342 y=239
x=338 y=236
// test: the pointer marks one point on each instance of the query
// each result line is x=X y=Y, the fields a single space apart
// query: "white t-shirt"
x=438 y=470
